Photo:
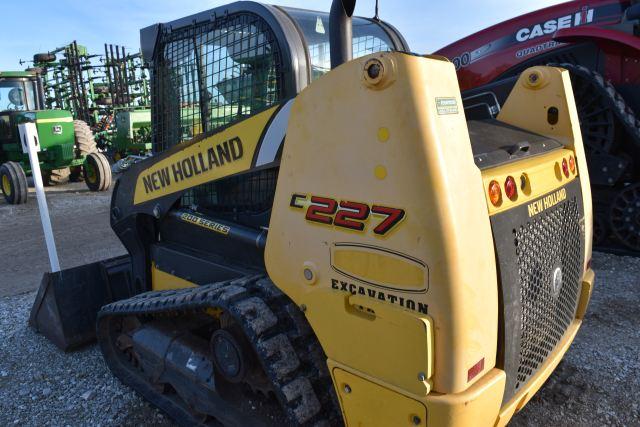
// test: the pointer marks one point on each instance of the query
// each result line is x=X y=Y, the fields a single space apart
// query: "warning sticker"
x=447 y=106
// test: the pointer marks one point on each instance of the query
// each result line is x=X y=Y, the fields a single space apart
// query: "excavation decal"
x=225 y=153
x=547 y=202
x=390 y=297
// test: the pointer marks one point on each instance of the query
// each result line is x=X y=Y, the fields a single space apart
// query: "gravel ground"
x=80 y=221
x=596 y=384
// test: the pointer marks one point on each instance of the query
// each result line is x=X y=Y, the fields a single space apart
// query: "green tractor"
x=67 y=147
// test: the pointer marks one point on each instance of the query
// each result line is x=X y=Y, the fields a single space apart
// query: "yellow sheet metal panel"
x=385 y=268
x=365 y=403
x=539 y=89
x=386 y=163
x=161 y=281
x=479 y=405
x=225 y=153
x=375 y=337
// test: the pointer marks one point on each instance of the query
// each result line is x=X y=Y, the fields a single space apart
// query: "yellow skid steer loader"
x=322 y=238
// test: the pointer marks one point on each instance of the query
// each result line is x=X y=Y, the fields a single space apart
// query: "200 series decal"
x=347 y=214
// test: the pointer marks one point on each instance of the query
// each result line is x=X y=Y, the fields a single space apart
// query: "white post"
x=31 y=145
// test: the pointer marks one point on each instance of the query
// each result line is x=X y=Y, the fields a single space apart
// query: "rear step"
x=67 y=303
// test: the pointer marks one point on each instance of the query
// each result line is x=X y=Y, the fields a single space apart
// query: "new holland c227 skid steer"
x=322 y=240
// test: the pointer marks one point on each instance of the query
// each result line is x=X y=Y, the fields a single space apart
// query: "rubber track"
x=623 y=112
x=283 y=340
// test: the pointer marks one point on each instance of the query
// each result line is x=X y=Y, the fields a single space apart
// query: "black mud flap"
x=68 y=301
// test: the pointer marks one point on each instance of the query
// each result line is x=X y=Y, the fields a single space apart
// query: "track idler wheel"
x=625 y=216
x=228 y=356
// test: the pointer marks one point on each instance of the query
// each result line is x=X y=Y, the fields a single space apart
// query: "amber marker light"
x=572 y=164
x=565 y=168
x=495 y=193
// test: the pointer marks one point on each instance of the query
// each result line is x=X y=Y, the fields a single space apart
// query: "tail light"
x=510 y=188
x=495 y=193
x=565 y=168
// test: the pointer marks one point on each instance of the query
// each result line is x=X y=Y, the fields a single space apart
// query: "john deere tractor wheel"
x=85 y=145
x=14 y=183
x=97 y=172
x=56 y=177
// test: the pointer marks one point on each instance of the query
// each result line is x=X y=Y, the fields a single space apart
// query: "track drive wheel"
x=14 y=183
x=625 y=216
x=56 y=176
x=85 y=144
x=97 y=172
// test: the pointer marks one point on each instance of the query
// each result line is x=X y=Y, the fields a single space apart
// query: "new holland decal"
x=547 y=202
x=215 y=157
x=225 y=153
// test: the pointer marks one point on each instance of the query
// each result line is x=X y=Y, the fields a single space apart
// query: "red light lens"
x=572 y=164
x=510 y=188
x=565 y=168
x=495 y=193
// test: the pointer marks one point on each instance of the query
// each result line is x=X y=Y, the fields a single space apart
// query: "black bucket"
x=68 y=301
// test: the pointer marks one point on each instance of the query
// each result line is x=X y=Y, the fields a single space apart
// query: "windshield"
x=17 y=95
x=368 y=37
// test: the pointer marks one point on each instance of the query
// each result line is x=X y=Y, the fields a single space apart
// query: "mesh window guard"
x=209 y=76
x=213 y=74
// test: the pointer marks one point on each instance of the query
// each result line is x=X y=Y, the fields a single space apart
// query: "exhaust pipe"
x=340 y=31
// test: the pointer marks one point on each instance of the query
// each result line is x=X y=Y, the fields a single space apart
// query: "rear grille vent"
x=549 y=261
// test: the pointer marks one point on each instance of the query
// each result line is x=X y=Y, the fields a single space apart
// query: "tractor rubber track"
x=285 y=344
x=627 y=118
x=623 y=112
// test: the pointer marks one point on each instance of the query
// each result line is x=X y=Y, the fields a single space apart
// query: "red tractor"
x=598 y=41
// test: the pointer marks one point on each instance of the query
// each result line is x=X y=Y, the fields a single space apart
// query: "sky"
x=426 y=24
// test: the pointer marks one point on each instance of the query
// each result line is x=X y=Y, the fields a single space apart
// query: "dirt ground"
x=80 y=221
